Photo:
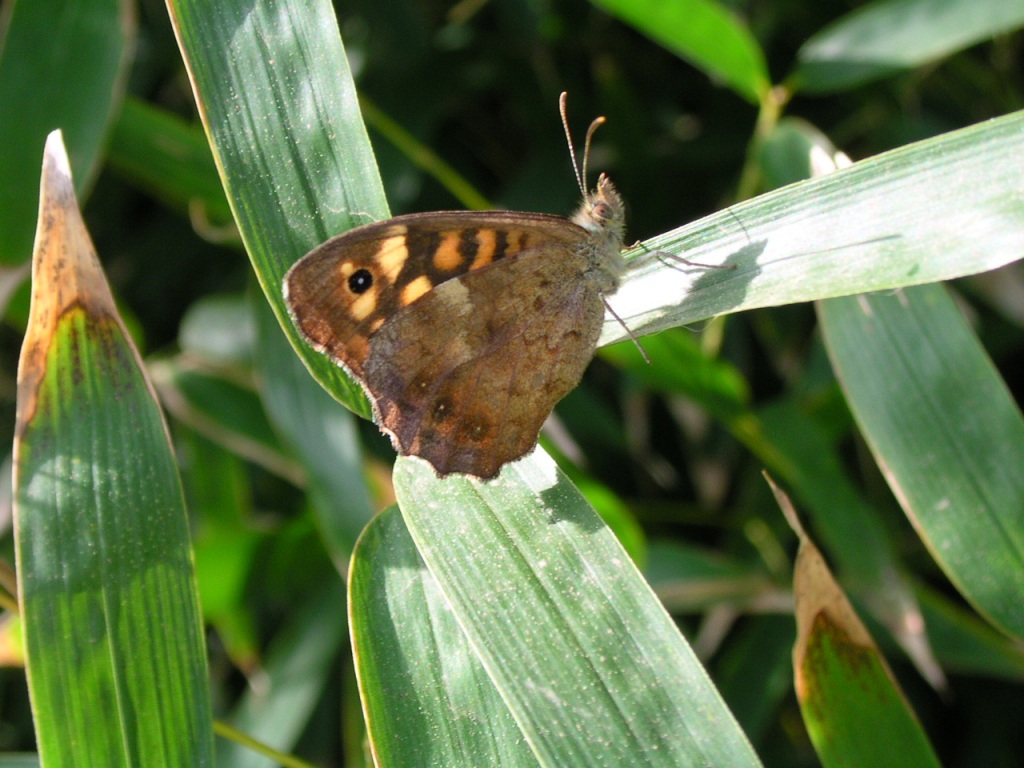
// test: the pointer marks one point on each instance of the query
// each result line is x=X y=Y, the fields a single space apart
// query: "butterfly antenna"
x=598 y=122
x=572 y=150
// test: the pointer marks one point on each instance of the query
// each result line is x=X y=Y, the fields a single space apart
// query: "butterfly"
x=465 y=328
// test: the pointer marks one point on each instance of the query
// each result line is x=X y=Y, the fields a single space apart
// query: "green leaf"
x=567 y=629
x=273 y=85
x=789 y=151
x=946 y=433
x=703 y=33
x=938 y=209
x=852 y=530
x=428 y=699
x=115 y=649
x=892 y=36
x=62 y=64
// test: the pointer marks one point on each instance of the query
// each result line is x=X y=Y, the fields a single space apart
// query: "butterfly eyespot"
x=476 y=428
x=360 y=281
x=442 y=409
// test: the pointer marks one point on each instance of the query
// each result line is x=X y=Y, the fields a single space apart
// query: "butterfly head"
x=603 y=213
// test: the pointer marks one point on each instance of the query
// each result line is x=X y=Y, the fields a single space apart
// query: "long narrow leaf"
x=705 y=33
x=946 y=433
x=428 y=699
x=66 y=75
x=844 y=686
x=272 y=83
x=116 y=657
x=891 y=36
x=942 y=208
x=591 y=667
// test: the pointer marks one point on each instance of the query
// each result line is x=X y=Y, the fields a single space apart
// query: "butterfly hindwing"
x=466 y=376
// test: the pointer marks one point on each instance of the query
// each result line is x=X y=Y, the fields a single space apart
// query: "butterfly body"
x=463 y=328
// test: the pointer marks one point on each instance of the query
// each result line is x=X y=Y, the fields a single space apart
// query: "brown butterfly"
x=465 y=328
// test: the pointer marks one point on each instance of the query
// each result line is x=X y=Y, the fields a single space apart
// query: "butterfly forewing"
x=343 y=292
